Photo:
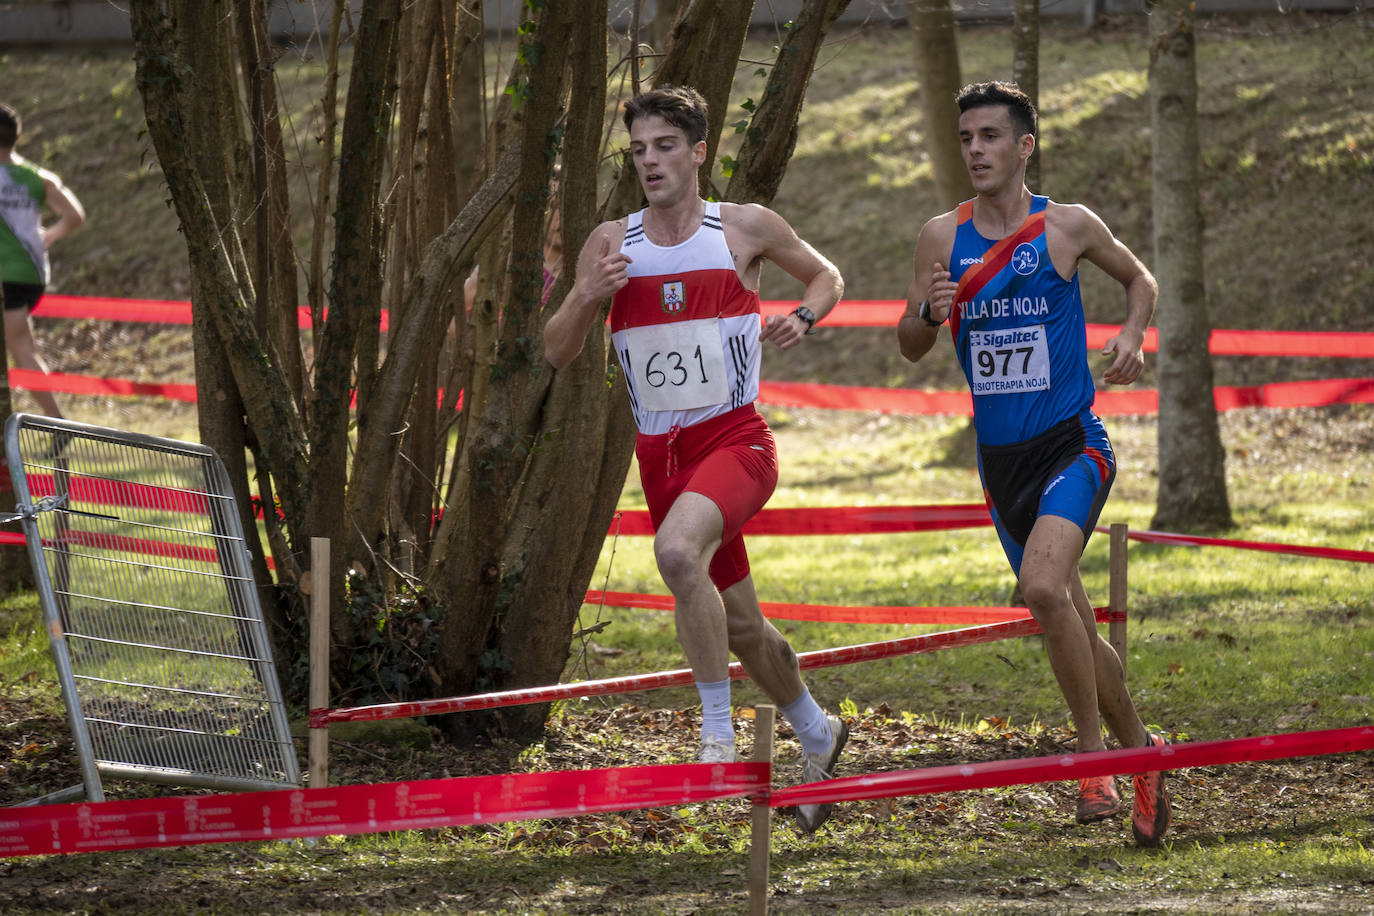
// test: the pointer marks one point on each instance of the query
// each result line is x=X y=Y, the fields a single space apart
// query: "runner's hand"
x=784 y=330
x=608 y=275
x=1129 y=361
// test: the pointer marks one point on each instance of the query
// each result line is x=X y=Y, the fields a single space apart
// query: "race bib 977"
x=677 y=366
x=1009 y=361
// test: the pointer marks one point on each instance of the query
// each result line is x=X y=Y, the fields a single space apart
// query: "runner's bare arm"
x=1100 y=247
x=601 y=271
x=930 y=282
x=772 y=237
x=60 y=199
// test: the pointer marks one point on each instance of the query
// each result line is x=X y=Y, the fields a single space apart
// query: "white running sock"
x=809 y=723
x=715 y=710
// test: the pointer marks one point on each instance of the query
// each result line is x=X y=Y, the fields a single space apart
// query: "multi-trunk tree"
x=447 y=462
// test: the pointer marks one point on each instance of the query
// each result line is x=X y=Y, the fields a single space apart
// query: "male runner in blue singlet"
x=684 y=274
x=1002 y=268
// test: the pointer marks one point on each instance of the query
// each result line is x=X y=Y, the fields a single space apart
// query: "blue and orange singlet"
x=1018 y=330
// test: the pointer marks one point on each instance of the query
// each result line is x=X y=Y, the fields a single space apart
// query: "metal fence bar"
x=159 y=640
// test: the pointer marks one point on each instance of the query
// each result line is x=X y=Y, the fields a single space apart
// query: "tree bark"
x=661 y=29
x=771 y=135
x=348 y=343
x=1025 y=69
x=937 y=68
x=1192 y=461
x=703 y=53
x=185 y=74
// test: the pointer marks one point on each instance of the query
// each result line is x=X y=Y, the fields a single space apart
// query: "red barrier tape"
x=867 y=313
x=98 y=540
x=888 y=519
x=899 y=401
x=682 y=677
x=154 y=311
x=103 y=308
x=852 y=313
x=831 y=613
x=834 y=520
x=423 y=804
x=105 y=492
x=33 y=380
x=1024 y=771
x=912 y=402
x=414 y=805
x=1326 y=553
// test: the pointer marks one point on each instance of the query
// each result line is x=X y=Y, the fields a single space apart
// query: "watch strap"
x=925 y=315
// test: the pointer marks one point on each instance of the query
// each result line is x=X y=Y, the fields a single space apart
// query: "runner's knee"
x=678 y=562
x=1042 y=594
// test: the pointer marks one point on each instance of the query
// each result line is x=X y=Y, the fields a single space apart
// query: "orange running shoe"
x=1097 y=798
x=1150 y=818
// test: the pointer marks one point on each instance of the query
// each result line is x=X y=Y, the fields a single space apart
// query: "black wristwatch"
x=808 y=316
x=925 y=315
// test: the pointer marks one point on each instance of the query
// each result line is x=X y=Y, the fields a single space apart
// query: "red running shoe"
x=1098 y=799
x=1150 y=818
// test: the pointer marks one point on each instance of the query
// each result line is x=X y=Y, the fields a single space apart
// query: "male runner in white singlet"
x=685 y=326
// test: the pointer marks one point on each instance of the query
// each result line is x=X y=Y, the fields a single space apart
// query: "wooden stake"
x=760 y=844
x=1116 y=629
x=319 y=658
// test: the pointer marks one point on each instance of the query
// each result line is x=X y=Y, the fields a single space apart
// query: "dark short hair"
x=10 y=126
x=996 y=92
x=681 y=106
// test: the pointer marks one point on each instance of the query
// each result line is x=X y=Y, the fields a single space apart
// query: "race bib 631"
x=677 y=366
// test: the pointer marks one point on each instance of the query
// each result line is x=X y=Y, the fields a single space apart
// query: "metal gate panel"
x=153 y=615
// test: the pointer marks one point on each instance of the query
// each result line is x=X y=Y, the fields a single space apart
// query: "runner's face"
x=664 y=160
x=992 y=152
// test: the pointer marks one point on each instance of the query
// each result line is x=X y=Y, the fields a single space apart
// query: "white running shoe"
x=715 y=750
x=816 y=767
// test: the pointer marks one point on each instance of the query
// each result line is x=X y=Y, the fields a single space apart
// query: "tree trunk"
x=1025 y=70
x=703 y=53
x=1192 y=462
x=771 y=135
x=536 y=449
x=661 y=29
x=937 y=68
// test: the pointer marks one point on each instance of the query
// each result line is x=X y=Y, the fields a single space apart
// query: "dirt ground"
x=1212 y=806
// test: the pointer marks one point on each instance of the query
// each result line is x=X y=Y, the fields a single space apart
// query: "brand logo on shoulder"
x=674 y=297
x=965 y=262
x=1025 y=259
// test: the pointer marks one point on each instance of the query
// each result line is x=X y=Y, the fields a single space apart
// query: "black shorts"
x=22 y=295
x=1066 y=471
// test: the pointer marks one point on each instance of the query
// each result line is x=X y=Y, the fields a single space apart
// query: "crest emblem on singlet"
x=673 y=296
x=1025 y=259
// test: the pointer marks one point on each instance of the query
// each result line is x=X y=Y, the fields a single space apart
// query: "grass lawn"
x=1223 y=643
